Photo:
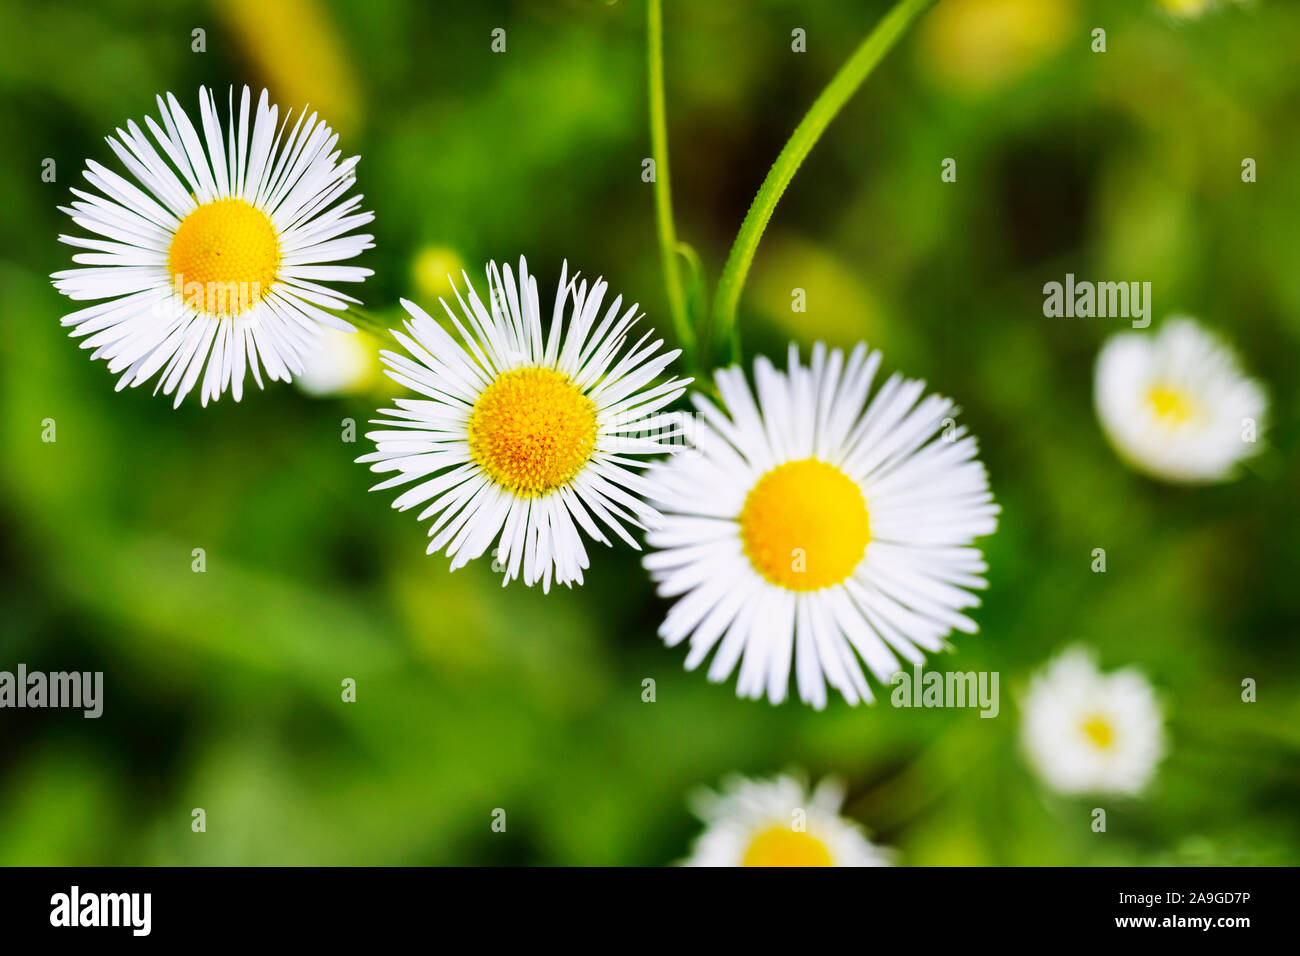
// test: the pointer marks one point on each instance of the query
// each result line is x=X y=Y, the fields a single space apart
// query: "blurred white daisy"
x=524 y=437
x=1088 y=732
x=1176 y=404
x=819 y=527
x=214 y=255
x=346 y=363
x=779 y=823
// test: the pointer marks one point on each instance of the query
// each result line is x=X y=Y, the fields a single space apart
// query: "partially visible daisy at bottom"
x=212 y=262
x=815 y=527
x=779 y=822
x=526 y=438
x=1088 y=732
x=1176 y=404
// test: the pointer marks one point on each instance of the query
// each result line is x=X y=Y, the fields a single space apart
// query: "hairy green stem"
x=844 y=84
x=662 y=189
x=368 y=322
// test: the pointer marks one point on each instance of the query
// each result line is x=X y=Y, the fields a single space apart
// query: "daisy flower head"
x=778 y=822
x=1088 y=732
x=208 y=258
x=523 y=437
x=1176 y=405
x=816 y=526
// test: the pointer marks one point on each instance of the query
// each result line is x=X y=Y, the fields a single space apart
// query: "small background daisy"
x=346 y=363
x=1176 y=404
x=1088 y=732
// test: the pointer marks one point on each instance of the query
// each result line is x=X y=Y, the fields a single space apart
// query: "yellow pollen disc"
x=781 y=846
x=804 y=525
x=1100 y=732
x=532 y=430
x=224 y=257
x=1171 y=405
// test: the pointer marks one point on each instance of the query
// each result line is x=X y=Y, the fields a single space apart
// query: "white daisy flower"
x=1088 y=732
x=1176 y=405
x=779 y=823
x=817 y=527
x=525 y=437
x=216 y=253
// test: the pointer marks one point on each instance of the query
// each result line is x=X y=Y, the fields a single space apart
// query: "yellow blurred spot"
x=1185 y=8
x=1172 y=406
x=781 y=846
x=432 y=271
x=295 y=48
x=813 y=296
x=1100 y=732
x=804 y=525
x=982 y=45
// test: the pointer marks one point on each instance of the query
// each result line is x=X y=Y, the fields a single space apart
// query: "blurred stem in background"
x=368 y=322
x=844 y=84
x=669 y=248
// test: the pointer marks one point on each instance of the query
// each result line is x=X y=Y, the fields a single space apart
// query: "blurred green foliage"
x=223 y=688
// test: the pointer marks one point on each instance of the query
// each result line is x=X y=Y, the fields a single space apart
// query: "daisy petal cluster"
x=1176 y=404
x=778 y=822
x=1088 y=732
x=815 y=526
x=526 y=438
x=210 y=259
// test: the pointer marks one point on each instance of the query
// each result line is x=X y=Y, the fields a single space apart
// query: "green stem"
x=368 y=322
x=663 y=189
x=845 y=83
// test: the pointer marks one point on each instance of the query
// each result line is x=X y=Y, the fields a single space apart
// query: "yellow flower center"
x=224 y=257
x=532 y=430
x=1100 y=732
x=1172 y=406
x=804 y=525
x=781 y=846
